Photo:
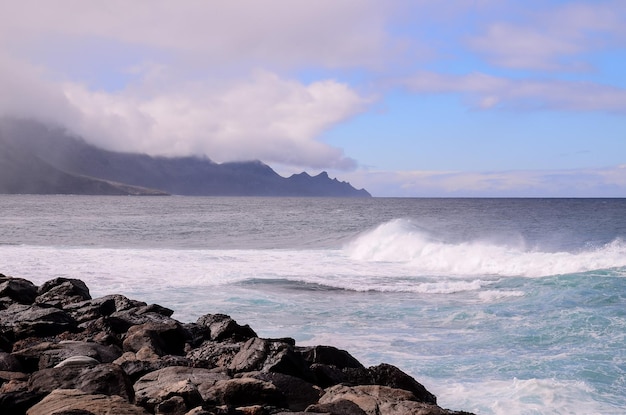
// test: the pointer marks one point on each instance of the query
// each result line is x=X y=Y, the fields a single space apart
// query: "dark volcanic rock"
x=65 y=400
x=49 y=354
x=191 y=384
x=246 y=392
x=329 y=355
x=42 y=159
x=221 y=327
x=23 y=321
x=162 y=338
x=107 y=379
x=62 y=291
x=18 y=289
x=299 y=393
x=62 y=352
x=269 y=356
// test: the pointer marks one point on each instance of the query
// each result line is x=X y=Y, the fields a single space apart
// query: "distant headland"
x=36 y=158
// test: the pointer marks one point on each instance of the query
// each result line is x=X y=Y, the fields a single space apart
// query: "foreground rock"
x=63 y=352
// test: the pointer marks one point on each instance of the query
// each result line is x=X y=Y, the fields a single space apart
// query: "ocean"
x=497 y=306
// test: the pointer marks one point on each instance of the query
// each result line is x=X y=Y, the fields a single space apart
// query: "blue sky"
x=403 y=98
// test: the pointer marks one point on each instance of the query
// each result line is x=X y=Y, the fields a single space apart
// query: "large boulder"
x=328 y=355
x=299 y=393
x=191 y=384
x=221 y=327
x=373 y=400
x=246 y=392
x=212 y=354
x=62 y=291
x=18 y=290
x=162 y=338
x=269 y=356
x=73 y=401
x=21 y=321
x=383 y=375
x=106 y=379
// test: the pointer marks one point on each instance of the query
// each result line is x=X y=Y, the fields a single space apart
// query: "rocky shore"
x=65 y=353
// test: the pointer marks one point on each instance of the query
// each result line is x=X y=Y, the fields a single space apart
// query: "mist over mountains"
x=36 y=158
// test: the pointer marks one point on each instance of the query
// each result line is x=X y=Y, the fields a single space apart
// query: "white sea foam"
x=521 y=397
x=400 y=241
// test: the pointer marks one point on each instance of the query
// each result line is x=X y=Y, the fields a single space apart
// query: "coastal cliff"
x=63 y=352
x=36 y=158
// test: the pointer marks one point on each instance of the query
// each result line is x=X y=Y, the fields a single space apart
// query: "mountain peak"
x=81 y=168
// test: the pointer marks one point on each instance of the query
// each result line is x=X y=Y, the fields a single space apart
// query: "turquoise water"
x=498 y=306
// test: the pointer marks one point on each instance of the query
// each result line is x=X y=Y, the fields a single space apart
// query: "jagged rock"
x=221 y=327
x=191 y=384
x=328 y=355
x=106 y=379
x=136 y=367
x=23 y=321
x=373 y=400
x=121 y=321
x=299 y=393
x=88 y=355
x=212 y=354
x=160 y=337
x=389 y=375
x=383 y=374
x=18 y=290
x=100 y=307
x=72 y=400
x=62 y=291
x=246 y=392
x=269 y=356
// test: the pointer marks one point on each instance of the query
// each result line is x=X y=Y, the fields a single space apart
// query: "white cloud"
x=216 y=88
x=325 y=32
x=553 y=38
x=264 y=117
x=601 y=182
x=487 y=91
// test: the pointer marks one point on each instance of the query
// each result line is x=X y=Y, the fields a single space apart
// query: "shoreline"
x=62 y=351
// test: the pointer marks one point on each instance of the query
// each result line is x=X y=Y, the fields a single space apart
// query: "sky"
x=421 y=98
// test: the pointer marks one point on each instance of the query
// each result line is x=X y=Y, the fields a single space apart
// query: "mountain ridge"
x=42 y=159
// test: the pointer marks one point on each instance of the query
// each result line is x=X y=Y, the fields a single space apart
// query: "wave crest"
x=401 y=241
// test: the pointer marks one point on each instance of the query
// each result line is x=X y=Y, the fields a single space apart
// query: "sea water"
x=498 y=306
